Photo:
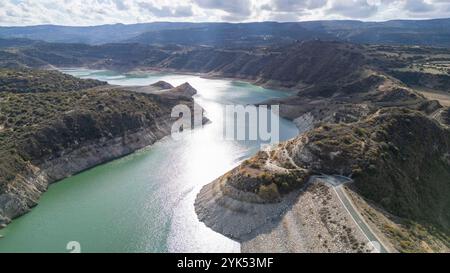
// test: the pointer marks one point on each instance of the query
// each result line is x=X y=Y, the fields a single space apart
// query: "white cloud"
x=92 y=12
x=165 y=11
x=298 y=5
x=232 y=7
x=353 y=8
x=418 y=6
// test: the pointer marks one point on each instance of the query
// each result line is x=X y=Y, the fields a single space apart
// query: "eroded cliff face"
x=91 y=128
x=23 y=193
x=398 y=159
x=289 y=66
x=445 y=116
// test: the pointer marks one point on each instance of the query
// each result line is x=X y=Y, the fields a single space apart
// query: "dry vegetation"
x=403 y=235
x=38 y=81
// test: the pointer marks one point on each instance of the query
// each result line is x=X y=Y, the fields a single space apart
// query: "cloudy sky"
x=94 y=12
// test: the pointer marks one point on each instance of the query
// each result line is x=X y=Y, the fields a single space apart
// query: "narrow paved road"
x=337 y=183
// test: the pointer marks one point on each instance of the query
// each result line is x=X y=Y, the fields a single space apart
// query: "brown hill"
x=48 y=135
x=399 y=160
x=37 y=81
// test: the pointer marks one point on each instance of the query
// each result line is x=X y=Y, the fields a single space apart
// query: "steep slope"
x=446 y=116
x=49 y=135
x=430 y=81
x=37 y=81
x=399 y=160
x=287 y=66
x=299 y=65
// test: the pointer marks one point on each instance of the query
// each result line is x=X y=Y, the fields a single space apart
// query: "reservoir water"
x=144 y=202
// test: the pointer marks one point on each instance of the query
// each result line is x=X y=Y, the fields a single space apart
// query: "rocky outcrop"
x=183 y=91
x=108 y=124
x=23 y=193
x=320 y=68
x=428 y=81
x=445 y=116
x=351 y=102
x=291 y=66
x=162 y=85
x=398 y=158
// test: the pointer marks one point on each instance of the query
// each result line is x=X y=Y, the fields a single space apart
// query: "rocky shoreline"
x=260 y=205
x=307 y=220
x=26 y=190
x=278 y=85
x=23 y=193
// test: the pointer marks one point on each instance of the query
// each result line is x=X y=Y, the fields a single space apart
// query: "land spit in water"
x=312 y=219
x=96 y=124
x=254 y=202
x=144 y=202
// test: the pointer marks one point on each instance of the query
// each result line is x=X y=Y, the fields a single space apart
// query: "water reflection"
x=145 y=202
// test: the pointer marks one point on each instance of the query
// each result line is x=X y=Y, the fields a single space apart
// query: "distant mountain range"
x=398 y=32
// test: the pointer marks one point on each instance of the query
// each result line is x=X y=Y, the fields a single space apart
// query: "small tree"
x=269 y=192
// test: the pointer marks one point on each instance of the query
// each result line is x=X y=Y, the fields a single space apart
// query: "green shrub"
x=269 y=192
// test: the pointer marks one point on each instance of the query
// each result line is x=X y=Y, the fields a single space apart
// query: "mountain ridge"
x=48 y=134
x=347 y=99
x=386 y=154
x=434 y=32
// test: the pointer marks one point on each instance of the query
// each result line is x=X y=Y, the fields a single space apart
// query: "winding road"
x=336 y=182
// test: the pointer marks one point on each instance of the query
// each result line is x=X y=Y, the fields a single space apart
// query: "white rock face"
x=305 y=123
x=24 y=192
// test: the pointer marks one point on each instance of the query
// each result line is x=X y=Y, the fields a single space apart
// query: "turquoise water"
x=145 y=202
